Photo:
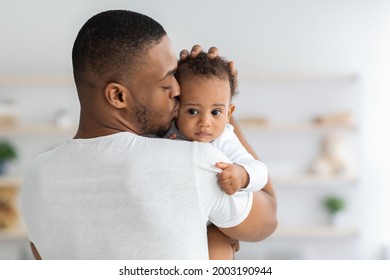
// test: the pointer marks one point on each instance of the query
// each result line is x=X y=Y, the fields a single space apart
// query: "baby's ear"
x=231 y=110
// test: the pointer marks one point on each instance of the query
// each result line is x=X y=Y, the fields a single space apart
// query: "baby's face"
x=205 y=108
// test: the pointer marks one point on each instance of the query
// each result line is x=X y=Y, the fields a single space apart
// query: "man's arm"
x=262 y=219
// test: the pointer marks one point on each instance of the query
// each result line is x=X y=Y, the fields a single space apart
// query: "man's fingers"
x=213 y=53
x=232 y=68
x=196 y=49
x=184 y=54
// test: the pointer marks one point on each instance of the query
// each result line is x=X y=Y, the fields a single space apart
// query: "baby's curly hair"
x=208 y=68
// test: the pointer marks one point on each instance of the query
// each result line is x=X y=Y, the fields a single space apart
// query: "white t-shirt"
x=125 y=196
x=231 y=146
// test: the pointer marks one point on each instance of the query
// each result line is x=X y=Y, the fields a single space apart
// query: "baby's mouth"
x=203 y=133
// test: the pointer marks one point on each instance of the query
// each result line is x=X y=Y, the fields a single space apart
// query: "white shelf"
x=36 y=80
x=297 y=77
x=251 y=125
x=308 y=180
x=35 y=129
x=14 y=234
x=314 y=232
x=65 y=79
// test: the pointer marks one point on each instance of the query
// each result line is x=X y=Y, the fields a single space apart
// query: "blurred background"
x=314 y=93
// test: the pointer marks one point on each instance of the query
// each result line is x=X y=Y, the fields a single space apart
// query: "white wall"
x=278 y=36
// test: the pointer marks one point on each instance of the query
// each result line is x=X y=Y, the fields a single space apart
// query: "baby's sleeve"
x=219 y=208
x=230 y=145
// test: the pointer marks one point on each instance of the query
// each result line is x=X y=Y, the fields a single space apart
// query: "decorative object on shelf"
x=254 y=121
x=8 y=211
x=8 y=112
x=340 y=118
x=334 y=158
x=7 y=153
x=334 y=205
x=63 y=119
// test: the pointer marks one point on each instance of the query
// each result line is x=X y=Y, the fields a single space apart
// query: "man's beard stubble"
x=148 y=122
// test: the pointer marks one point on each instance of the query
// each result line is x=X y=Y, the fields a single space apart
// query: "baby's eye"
x=192 y=111
x=216 y=112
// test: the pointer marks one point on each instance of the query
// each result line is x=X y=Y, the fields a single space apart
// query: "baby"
x=207 y=88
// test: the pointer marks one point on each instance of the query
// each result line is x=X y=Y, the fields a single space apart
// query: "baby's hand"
x=172 y=136
x=232 y=178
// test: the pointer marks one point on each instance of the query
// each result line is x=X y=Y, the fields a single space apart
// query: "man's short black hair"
x=112 y=44
x=207 y=68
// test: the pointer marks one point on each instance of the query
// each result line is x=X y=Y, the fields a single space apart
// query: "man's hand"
x=196 y=49
x=212 y=53
x=232 y=178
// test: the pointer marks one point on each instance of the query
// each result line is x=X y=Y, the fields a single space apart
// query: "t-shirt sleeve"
x=221 y=209
x=231 y=146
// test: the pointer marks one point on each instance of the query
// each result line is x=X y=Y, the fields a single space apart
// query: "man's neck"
x=92 y=127
x=95 y=130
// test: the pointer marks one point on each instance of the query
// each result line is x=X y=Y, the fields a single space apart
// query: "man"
x=110 y=193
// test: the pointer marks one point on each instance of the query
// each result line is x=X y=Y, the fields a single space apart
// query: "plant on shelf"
x=7 y=153
x=334 y=205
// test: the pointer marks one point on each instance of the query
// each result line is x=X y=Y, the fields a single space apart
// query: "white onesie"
x=230 y=145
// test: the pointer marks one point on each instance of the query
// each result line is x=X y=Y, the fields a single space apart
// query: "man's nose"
x=175 y=92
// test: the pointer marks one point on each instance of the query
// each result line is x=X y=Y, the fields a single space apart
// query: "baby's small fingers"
x=173 y=136
x=223 y=176
x=229 y=190
x=222 y=165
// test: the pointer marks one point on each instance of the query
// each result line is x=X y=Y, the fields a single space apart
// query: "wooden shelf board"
x=297 y=77
x=309 y=180
x=67 y=79
x=46 y=129
x=14 y=234
x=314 y=232
x=36 y=80
x=10 y=182
x=304 y=127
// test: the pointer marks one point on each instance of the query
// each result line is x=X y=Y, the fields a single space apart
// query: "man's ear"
x=116 y=95
x=232 y=107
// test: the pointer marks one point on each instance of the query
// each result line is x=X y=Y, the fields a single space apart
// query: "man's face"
x=154 y=91
x=205 y=108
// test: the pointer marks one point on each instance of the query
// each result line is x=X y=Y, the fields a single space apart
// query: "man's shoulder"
x=208 y=152
x=44 y=156
x=199 y=147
